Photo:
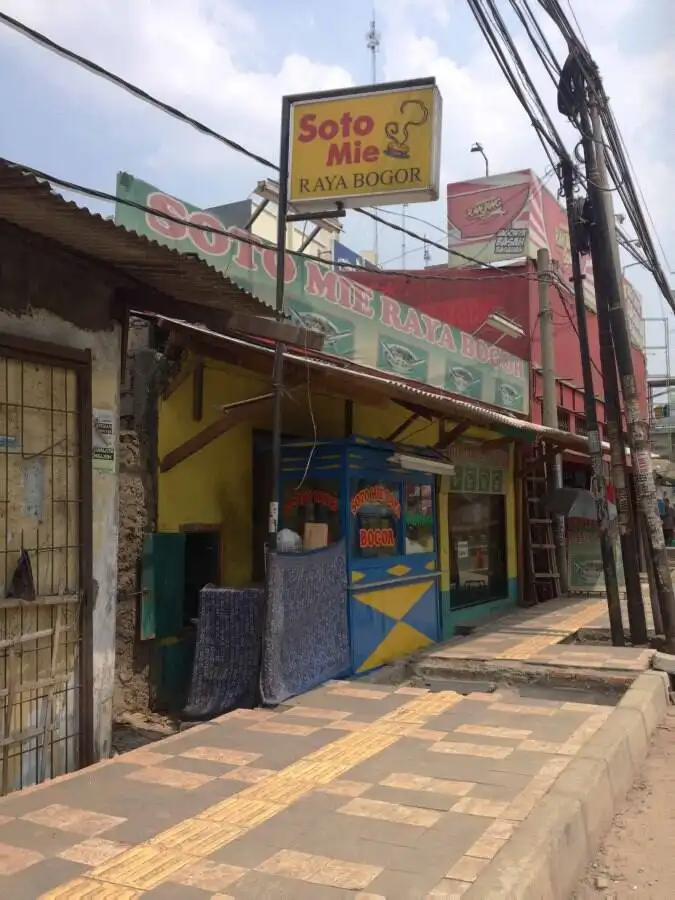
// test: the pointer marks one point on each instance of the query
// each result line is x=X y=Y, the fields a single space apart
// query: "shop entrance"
x=45 y=555
x=477 y=524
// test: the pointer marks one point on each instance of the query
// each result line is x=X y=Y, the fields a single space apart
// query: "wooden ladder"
x=541 y=545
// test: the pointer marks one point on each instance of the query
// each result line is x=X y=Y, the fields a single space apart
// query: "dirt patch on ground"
x=636 y=859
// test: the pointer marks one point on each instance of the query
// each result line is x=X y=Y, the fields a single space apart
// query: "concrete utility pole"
x=594 y=444
x=638 y=433
x=549 y=404
x=626 y=519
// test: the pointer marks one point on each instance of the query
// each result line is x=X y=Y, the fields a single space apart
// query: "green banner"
x=359 y=324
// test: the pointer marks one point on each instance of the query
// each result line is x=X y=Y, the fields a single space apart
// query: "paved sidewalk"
x=349 y=791
x=539 y=637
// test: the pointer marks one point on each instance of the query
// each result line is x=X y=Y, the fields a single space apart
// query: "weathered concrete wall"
x=37 y=292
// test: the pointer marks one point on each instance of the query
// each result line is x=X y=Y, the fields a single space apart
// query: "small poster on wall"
x=103 y=442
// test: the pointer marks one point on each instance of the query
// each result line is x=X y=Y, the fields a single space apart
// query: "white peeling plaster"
x=105 y=349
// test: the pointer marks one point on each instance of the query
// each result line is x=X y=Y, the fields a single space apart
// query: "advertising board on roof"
x=510 y=216
x=370 y=146
x=359 y=324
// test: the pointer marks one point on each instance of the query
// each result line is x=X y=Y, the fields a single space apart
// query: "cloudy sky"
x=228 y=62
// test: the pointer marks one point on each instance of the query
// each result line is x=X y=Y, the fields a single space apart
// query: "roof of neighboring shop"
x=30 y=203
x=437 y=401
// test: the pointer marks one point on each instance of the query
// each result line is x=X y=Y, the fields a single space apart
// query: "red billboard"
x=511 y=216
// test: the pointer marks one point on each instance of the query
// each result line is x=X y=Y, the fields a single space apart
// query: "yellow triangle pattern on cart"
x=397 y=601
x=400 y=641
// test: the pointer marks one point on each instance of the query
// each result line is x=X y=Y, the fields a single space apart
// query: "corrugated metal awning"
x=32 y=204
x=439 y=402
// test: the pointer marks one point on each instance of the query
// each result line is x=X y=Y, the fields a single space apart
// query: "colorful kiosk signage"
x=364 y=326
x=388 y=518
x=368 y=146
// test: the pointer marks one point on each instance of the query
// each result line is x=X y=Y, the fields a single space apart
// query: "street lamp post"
x=478 y=148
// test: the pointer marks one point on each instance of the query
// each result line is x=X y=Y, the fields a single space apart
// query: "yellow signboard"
x=365 y=147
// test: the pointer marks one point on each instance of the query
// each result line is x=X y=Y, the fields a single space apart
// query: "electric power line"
x=104 y=196
x=139 y=93
x=133 y=89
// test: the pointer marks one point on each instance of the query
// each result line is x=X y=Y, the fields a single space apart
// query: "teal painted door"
x=162 y=586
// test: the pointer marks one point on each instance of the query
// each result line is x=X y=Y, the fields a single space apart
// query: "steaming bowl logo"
x=401 y=359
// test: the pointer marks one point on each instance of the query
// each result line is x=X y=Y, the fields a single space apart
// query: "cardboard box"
x=315 y=535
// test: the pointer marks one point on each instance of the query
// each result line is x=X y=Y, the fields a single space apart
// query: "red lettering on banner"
x=370 y=538
x=362 y=300
x=390 y=313
x=176 y=231
x=244 y=257
x=431 y=327
x=210 y=242
x=326 y=284
x=447 y=339
x=468 y=346
x=482 y=351
x=269 y=263
x=412 y=323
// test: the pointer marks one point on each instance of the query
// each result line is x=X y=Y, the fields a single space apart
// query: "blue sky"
x=228 y=62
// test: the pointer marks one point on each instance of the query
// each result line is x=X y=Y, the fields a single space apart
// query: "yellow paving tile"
x=241 y=811
x=424 y=734
x=531 y=746
x=346 y=690
x=16 y=859
x=449 y=890
x=174 y=778
x=220 y=755
x=68 y=818
x=196 y=837
x=494 y=731
x=142 y=757
x=87 y=889
x=515 y=709
x=143 y=867
x=520 y=808
x=585 y=731
x=390 y=812
x=209 y=876
x=411 y=691
x=94 y=851
x=278 y=727
x=484 y=751
x=248 y=774
x=476 y=806
x=320 y=870
x=166 y=858
x=492 y=840
x=408 y=781
x=344 y=788
x=315 y=712
x=347 y=725
x=281 y=789
x=467 y=868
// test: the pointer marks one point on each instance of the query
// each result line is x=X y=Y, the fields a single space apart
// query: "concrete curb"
x=550 y=850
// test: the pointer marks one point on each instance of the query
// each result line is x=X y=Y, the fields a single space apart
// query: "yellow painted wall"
x=214 y=486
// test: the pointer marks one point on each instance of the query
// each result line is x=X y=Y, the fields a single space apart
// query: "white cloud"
x=208 y=58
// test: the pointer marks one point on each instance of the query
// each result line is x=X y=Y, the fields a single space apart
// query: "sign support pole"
x=278 y=370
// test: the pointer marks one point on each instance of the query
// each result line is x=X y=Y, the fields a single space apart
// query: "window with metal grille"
x=580 y=425
x=563 y=420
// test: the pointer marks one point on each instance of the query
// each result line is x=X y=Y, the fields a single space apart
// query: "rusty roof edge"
x=28 y=181
x=368 y=373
